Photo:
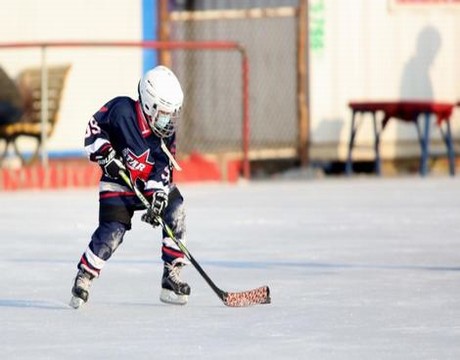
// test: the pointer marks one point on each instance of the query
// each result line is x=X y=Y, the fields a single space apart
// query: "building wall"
x=359 y=51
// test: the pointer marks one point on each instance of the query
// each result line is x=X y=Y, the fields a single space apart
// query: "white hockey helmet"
x=161 y=98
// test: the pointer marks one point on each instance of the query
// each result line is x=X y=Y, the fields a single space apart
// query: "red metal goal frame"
x=156 y=45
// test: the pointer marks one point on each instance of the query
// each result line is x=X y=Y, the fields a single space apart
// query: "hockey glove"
x=159 y=204
x=110 y=163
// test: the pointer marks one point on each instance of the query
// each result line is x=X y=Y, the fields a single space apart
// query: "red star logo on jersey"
x=139 y=166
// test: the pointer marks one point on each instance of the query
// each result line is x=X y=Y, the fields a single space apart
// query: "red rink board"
x=78 y=173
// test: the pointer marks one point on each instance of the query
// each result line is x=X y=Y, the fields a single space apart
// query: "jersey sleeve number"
x=92 y=128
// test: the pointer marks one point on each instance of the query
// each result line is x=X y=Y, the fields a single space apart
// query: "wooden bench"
x=29 y=84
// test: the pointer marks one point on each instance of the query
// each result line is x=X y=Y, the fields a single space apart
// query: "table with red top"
x=420 y=113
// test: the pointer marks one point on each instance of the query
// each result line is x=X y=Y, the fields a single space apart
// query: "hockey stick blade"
x=257 y=296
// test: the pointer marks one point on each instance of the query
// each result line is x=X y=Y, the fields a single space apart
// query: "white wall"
x=366 y=48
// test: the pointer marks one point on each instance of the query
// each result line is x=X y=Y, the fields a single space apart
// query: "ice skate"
x=80 y=289
x=173 y=289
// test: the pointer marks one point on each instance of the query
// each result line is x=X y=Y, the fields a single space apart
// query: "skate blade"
x=170 y=297
x=76 y=302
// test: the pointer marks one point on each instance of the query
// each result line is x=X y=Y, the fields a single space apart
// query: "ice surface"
x=361 y=268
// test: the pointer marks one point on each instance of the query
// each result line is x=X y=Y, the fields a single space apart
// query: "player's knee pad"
x=174 y=215
x=106 y=239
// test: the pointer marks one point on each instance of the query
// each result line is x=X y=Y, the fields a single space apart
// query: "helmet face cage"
x=161 y=99
x=163 y=123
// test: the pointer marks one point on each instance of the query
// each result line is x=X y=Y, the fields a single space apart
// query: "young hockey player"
x=137 y=137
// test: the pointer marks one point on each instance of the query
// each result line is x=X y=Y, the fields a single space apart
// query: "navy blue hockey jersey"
x=121 y=123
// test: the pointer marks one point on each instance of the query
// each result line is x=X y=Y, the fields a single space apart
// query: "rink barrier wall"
x=80 y=173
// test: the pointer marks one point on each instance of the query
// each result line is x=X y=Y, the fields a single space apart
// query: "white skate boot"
x=80 y=289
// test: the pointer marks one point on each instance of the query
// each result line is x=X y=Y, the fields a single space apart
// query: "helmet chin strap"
x=170 y=156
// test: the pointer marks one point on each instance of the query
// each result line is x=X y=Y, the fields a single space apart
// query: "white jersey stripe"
x=110 y=186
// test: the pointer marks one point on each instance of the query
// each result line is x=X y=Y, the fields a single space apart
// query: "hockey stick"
x=260 y=295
